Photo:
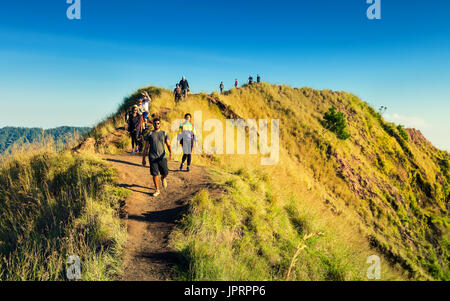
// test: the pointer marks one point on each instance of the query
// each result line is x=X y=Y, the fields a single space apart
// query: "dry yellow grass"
x=371 y=194
x=55 y=204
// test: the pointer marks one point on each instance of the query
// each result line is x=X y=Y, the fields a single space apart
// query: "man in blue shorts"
x=154 y=145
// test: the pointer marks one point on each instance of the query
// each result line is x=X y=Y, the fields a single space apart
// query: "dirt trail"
x=150 y=219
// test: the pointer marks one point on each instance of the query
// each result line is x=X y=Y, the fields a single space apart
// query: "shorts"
x=158 y=167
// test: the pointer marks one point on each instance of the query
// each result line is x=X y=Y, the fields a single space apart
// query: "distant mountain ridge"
x=12 y=135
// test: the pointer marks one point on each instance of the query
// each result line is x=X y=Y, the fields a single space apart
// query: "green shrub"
x=402 y=132
x=335 y=121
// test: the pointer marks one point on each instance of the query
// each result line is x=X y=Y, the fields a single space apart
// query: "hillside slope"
x=379 y=192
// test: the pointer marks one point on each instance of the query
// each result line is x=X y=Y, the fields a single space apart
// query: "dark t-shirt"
x=134 y=122
x=157 y=144
x=184 y=84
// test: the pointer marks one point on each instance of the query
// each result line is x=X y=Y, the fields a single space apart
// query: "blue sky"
x=55 y=71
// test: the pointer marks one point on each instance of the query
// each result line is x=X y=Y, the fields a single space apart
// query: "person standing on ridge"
x=258 y=79
x=187 y=135
x=236 y=83
x=250 y=80
x=221 y=87
x=155 y=142
x=134 y=128
x=184 y=87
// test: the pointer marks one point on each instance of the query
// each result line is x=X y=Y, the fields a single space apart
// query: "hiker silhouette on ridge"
x=184 y=87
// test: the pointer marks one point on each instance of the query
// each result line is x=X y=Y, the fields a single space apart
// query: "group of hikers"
x=156 y=142
x=236 y=82
x=152 y=143
x=250 y=79
x=137 y=120
x=182 y=89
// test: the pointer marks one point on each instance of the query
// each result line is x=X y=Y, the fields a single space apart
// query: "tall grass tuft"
x=56 y=204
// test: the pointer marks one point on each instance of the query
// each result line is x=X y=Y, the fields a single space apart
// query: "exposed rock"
x=418 y=138
x=87 y=145
x=357 y=183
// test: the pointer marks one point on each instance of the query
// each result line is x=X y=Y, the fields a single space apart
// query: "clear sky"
x=55 y=71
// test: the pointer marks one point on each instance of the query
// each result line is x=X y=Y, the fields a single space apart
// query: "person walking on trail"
x=178 y=93
x=146 y=100
x=147 y=128
x=145 y=125
x=155 y=142
x=236 y=83
x=130 y=112
x=142 y=113
x=184 y=87
x=134 y=128
x=250 y=80
x=140 y=106
x=258 y=79
x=187 y=136
x=221 y=87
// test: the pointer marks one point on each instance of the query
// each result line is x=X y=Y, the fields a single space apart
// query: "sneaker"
x=164 y=183
x=188 y=169
x=181 y=166
x=156 y=193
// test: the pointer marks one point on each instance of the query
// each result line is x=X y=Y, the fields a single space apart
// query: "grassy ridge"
x=57 y=204
x=250 y=219
x=378 y=192
x=398 y=188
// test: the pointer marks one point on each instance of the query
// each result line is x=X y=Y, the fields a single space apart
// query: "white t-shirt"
x=145 y=103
